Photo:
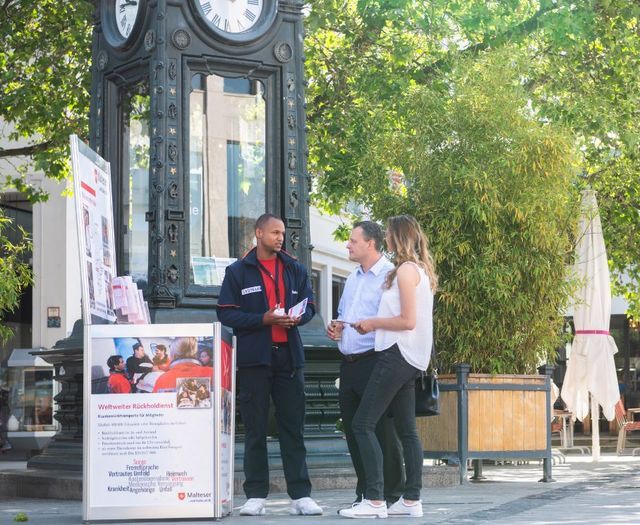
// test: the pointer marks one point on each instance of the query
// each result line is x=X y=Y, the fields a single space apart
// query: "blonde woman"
x=404 y=332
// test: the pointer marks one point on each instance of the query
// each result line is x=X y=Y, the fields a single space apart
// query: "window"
x=337 y=287
x=135 y=183
x=315 y=286
x=227 y=172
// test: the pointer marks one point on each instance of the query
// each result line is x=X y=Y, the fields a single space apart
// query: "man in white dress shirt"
x=360 y=300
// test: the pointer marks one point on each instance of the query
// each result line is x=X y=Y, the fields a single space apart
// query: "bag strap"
x=433 y=362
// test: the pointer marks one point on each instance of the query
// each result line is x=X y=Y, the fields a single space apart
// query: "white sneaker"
x=253 y=507
x=305 y=507
x=400 y=508
x=365 y=509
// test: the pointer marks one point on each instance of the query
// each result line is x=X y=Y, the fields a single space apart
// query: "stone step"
x=66 y=485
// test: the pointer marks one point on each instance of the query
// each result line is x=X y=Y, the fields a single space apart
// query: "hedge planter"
x=490 y=417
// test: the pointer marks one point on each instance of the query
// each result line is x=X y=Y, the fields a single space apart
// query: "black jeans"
x=391 y=385
x=286 y=387
x=353 y=381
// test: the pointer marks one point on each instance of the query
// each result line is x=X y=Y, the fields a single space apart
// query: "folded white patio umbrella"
x=591 y=368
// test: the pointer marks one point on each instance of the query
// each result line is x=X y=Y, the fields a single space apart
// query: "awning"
x=21 y=357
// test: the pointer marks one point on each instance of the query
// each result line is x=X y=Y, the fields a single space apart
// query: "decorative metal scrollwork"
x=173 y=190
x=103 y=60
x=172 y=111
x=293 y=161
x=291 y=121
x=293 y=199
x=172 y=233
x=172 y=152
x=150 y=40
x=283 y=52
x=295 y=240
x=172 y=274
x=173 y=70
x=181 y=38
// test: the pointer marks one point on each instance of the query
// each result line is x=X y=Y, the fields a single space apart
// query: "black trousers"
x=354 y=377
x=286 y=387
x=391 y=385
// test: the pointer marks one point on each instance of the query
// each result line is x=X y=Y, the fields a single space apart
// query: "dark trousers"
x=353 y=381
x=391 y=386
x=286 y=387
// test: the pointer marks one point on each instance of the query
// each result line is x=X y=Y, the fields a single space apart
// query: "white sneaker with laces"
x=365 y=509
x=305 y=507
x=253 y=507
x=401 y=508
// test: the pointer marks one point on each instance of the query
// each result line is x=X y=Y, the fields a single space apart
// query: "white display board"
x=94 y=217
x=165 y=449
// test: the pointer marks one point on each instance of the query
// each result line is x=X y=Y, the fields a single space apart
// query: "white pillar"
x=327 y=291
x=55 y=264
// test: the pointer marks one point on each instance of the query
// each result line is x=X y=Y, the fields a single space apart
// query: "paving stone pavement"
x=584 y=493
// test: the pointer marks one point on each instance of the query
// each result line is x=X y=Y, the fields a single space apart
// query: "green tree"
x=362 y=56
x=45 y=53
x=15 y=272
x=581 y=71
x=495 y=190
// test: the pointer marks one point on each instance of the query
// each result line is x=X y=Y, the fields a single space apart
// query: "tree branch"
x=25 y=150
x=523 y=28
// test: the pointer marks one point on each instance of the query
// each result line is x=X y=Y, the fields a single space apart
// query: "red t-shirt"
x=278 y=333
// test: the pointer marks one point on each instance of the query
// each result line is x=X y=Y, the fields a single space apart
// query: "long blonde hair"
x=410 y=245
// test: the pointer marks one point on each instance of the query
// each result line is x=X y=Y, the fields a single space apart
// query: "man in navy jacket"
x=257 y=292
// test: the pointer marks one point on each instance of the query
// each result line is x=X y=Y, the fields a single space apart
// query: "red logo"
x=181 y=495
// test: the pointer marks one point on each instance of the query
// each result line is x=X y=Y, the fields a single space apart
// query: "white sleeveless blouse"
x=415 y=345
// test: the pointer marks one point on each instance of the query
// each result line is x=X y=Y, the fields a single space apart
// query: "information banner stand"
x=159 y=400
x=164 y=450
x=94 y=218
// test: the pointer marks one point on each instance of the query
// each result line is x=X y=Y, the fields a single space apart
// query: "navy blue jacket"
x=243 y=302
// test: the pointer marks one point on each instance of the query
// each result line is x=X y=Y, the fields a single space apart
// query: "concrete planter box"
x=490 y=417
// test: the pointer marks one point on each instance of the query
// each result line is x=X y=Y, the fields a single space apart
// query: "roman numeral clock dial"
x=232 y=16
x=126 y=13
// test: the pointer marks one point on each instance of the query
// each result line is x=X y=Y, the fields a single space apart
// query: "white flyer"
x=298 y=309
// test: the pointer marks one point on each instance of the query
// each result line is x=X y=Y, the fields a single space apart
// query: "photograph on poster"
x=226 y=411
x=150 y=364
x=92 y=289
x=193 y=392
x=87 y=230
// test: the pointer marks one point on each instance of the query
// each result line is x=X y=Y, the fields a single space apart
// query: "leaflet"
x=299 y=309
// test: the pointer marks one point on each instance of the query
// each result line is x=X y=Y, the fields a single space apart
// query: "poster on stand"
x=94 y=218
x=226 y=452
x=158 y=422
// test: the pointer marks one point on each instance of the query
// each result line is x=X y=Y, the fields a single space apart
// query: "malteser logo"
x=181 y=495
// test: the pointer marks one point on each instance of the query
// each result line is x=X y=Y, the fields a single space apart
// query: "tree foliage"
x=581 y=71
x=495 y=190
x=363 y=57
x=45 y=54
x=15 y=273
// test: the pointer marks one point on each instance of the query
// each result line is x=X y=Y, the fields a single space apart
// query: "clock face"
x=232 y=16
x=126 y=13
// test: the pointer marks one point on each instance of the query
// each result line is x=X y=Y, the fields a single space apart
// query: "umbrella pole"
x=595 y=429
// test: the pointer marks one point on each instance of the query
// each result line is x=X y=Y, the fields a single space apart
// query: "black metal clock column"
x=175 y=49
x=219 y=88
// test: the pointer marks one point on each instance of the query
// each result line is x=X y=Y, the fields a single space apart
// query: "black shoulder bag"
x=427 y=389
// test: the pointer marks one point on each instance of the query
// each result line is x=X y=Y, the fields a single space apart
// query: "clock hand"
x=130 y=2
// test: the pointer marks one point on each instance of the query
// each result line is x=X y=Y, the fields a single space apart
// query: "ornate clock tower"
x=199 y=107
